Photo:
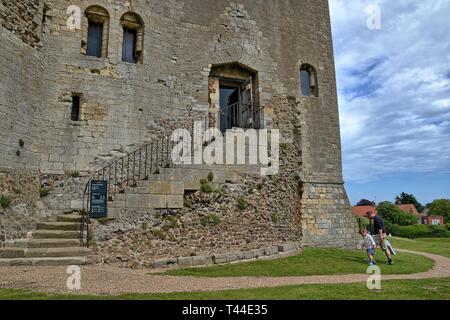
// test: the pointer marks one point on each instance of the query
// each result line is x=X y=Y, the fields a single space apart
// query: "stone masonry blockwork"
x=123 y=105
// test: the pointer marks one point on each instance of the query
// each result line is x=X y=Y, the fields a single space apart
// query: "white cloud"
x=393 y=86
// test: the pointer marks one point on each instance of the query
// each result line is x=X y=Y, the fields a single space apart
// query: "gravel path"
x=112 y=280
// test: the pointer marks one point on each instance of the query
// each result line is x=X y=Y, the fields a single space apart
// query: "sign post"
x=99 y=199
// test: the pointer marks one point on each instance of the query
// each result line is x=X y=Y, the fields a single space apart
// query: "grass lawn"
x=313 y=262
x=439 y=246
x=426 y=289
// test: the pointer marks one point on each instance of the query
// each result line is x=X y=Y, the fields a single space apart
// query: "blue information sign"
x=99 y=199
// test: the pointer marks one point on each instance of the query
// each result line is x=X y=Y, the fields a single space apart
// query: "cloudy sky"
x=394 y=96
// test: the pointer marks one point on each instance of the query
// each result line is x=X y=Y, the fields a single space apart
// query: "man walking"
x=380 y=234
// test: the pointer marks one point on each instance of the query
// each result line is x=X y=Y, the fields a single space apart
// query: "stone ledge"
x=268 y=253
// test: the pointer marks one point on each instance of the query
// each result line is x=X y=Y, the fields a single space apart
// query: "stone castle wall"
x=124 y=105
x=24 y=18
x=22 y=85
x=122 y=102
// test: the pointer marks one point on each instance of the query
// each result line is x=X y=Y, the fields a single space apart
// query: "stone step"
x=53 y=243
x=69 y=218
x=18 y=243
x=58 y=226
x=47 y=261
x=44 y=252
x=55 y=234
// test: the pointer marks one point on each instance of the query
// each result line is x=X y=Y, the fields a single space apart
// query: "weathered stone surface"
x=113 y=213
x=157 y=202
x=270 y=250
x=166 y=187
x=249 y=255
x=76 y=205
x=160 y=263
x=288 y=247
x=137 y=201
x=175 y=201
x=185 y=262
x=220 y=258
x=13 y=253
x=201 y=260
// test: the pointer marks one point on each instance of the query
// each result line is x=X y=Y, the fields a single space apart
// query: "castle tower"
x=83 y=82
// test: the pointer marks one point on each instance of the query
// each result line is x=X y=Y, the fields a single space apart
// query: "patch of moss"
x=274 y=217
x=159 y=233
x=44 y=192
x=75 y=174
x=210 y=219
x=242 y=203
x=5 y=201
x=187 y=203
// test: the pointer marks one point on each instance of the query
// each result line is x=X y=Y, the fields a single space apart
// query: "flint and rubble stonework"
x=124 y=105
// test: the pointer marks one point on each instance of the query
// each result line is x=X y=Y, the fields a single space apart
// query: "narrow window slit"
x=75 y=112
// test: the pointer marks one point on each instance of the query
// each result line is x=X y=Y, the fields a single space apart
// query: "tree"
x=440 y=207
x=393 y=215
x=365 y=202
x=406 y=198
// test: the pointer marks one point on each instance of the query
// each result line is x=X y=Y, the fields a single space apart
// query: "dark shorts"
x=371 y=251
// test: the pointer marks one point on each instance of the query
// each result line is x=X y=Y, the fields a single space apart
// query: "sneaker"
x=374 y=262
x=371 y=264
x=390 y=262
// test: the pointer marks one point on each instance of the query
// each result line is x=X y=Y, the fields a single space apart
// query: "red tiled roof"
x=362 y=211
x=409 y=208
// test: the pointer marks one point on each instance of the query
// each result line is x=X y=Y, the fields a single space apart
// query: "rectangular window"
x=129 y=45
x=75 y=113
x=305 y=82
x=95 y=35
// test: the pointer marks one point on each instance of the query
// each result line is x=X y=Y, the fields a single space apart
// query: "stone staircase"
x=148 y=179
x=166 y=190
x=51 y=244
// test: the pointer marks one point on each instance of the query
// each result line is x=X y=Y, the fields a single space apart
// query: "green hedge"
x=363 y=223
x=419 y=231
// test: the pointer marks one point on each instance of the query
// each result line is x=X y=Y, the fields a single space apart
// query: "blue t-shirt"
x=378 y=225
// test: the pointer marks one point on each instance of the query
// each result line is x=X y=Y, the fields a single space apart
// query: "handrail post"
x=168 y=148
x=140 y=156
x=115 y=178
x=134 y=168
x=151 y=158
x=128 y=169
x=157 y=153
x=145 y=162
x=121 y=174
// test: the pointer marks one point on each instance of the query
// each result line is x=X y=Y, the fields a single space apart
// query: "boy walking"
x=369 y=245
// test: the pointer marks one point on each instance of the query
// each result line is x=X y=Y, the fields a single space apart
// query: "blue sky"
x=394 y=97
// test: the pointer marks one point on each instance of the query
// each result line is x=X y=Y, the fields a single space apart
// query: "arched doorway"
x=233 y=97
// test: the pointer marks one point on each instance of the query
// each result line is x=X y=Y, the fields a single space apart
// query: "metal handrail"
x=85 y=218
x=247 y=106
x=127 y=170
